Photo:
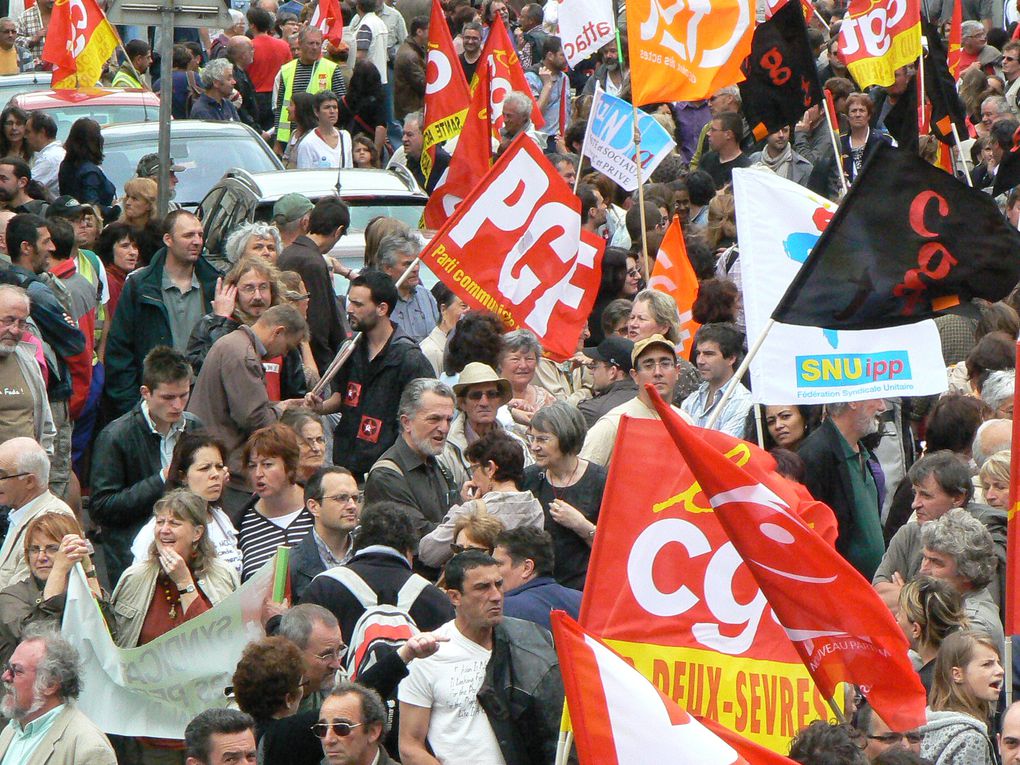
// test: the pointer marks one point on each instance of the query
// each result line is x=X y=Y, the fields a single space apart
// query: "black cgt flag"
x=908 y=242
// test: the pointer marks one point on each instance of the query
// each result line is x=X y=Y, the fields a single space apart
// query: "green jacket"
x=140 y=324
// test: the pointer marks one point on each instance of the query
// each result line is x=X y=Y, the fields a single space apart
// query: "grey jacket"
x=953 y=738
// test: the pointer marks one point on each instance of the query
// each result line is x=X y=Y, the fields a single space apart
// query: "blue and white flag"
x=609 y=140
x=778 y=222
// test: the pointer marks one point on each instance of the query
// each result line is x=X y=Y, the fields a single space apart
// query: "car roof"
x=51 y=99
x=149 y=130
x=361 y=182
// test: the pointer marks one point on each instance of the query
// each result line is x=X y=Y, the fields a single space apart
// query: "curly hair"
x=963 y=537
x=824 y=743
x=270 y=669
x=502 y=449
x=478 y=336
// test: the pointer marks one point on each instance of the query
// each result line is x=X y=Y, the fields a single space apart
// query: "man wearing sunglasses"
x=353 y=724
x=879 y=737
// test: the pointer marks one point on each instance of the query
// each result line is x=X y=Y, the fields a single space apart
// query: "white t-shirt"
x=448 y=682
x=221 y=532
x=313 y=153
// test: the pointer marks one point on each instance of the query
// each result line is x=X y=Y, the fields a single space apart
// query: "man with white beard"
x=23 y=403
x=41 y=682
x=841 y=473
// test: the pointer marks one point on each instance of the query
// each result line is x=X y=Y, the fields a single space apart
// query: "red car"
x=105 y=105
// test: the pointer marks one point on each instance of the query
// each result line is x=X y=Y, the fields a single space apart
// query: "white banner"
x=609 y=140
x=778 y=222
x=585 y=26
x=156 y=689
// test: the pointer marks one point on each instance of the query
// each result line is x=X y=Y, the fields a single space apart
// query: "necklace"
x=571 y=480
x=172 y=598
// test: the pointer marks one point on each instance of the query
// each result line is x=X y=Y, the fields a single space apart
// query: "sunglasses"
x=478 y=395
x=341 y=729
x=458 y=549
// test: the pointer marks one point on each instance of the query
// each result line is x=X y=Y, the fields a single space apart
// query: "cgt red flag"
x=807 y=583
x=515 y=247
x=446 y=89
x=328 y=19
x=619 y=718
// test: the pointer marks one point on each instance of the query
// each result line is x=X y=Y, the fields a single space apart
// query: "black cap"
x=65 y=207
x=613 y=350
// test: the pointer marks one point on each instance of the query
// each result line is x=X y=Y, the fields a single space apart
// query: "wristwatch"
x=184 y=590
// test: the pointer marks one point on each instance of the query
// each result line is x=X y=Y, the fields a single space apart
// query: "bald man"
x=1009 y=737
x=240 y=53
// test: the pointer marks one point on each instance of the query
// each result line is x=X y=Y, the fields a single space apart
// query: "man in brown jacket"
x=230 y=395
x=409 y=70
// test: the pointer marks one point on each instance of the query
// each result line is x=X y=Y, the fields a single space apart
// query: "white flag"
x=585 y=26
x=156 y=689
x=778 y=222
x=609 y=140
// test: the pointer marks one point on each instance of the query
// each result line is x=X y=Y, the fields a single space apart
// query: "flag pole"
x=735 y=380
x=122 y=49
x=758 y=425
x=920 y=94
x=830 y=116
x=637 y=166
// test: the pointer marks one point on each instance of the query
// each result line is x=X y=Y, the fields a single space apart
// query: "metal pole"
x=166 y=51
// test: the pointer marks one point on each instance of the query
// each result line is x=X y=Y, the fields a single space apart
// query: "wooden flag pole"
x=735 y=380
x=641 y=197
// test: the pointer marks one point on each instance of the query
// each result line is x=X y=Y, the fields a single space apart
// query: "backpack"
x=383 y=627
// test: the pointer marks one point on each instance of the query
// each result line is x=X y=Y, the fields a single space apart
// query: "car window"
x=104 y=115
x=205 y=159
x=218 y=225
x=15 y=86
x=364 y=209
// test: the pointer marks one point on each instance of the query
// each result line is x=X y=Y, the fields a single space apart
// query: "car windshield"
x=103 y=114
x=205 y=159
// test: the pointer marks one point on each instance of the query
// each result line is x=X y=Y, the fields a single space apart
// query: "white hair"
x=997 y=390
x=215 y=70
x=30 y=457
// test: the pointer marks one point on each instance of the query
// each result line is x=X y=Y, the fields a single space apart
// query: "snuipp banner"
x=778 y=222
x=669 y=592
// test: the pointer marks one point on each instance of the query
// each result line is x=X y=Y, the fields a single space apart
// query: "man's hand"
x=421 y=646
x=545 y=74
x=225 y=299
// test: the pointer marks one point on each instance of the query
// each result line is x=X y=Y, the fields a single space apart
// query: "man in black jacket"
x=840 y=473
x=133 y=456
x=367 y=390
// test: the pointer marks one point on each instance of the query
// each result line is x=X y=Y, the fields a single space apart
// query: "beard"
x=425 y=446
x=7 y=350
x=9 y=707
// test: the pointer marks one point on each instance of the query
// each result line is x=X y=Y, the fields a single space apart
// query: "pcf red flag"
x=446 y=89
x=619 y=717
x=515 y=247
x=807 y=583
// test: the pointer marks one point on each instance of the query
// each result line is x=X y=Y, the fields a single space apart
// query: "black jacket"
x=140 y=324
x=212 y=327
x=371 y=395
x=874 y=139
x=385 y=572
x=522 y=693
x=305 y=564
x=126 y=480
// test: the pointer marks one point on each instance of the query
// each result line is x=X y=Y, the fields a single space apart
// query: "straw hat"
x=476 y=373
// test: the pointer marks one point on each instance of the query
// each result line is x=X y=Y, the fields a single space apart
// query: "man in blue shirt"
x=41 y=683
x=719 y=348
x=218 y=80
x=525 y=556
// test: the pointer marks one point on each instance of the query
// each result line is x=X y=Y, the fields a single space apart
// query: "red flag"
x=619 y=718
x=328 y=19
x=807 y=584
x=470 y=161
x=446 y=89
x=956 y=42
x=1012 y=540
x=515 y=247
x=78 y=42
x=806 y=6
x=505 y=74
x=674 y=275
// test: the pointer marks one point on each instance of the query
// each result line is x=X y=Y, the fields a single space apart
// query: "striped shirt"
x=260 y=536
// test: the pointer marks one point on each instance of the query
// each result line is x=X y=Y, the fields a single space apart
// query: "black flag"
x=782 y=80
x=940 y=87
x=908 y=241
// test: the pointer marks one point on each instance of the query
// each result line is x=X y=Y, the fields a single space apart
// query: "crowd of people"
x=163 y=425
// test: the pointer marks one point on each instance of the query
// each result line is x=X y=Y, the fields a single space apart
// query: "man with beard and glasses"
x=41 y=682
x=368 y=389
x=842 y=473
x=242 y=296
x=24 y=408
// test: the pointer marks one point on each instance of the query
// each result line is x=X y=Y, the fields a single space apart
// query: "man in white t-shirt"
x=372 y=37
x=452 y=700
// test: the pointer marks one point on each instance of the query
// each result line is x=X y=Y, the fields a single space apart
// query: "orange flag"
x=680 y=54
x=79 y=46
x=674 y=275
x=446 y=90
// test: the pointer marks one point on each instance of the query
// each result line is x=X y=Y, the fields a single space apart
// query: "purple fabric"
x=691 y=117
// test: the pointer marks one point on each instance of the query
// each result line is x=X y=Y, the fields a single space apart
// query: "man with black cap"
x=291 y=214
x=148 y=167
x=612 y=383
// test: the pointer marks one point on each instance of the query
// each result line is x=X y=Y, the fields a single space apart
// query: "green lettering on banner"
x=156 y=689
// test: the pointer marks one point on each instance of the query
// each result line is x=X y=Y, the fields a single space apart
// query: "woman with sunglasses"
x=496 y=468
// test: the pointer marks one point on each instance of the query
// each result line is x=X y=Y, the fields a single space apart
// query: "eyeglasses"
x=51 y=550
x=315 y=441
x=913 y=737
x=458 y=549
x=13 y=475
x=341 y=729
x=14 y=669
x=251 y=289
x=650 y=365
x=10 y=321
x=336 y=653
x=478 y=395
x=343 y=499
x=531 y=438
